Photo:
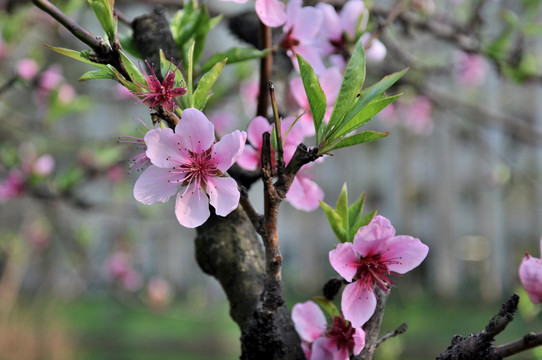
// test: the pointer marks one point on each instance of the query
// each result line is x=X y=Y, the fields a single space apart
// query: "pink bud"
x=27 y=68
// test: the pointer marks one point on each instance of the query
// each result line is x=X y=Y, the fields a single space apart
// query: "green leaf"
x=104 y=12
x=315 y=94
x=127 y=84
x=365 y=98
x=127 y=44
x=335 y=221
x=355 y=210
x=184 y=25
x=204 y=25
x=364 y=116
x=342 y=205
x=135 y=73
x=189 y=85
x=362 y=221
x=234 y=55
x=356 y=139
x=98 y=74
x=75 y=55
x=206 y=83
x=327 y=305
x=353 y=80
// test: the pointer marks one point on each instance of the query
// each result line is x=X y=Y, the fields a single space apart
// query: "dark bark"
x=228 y=249
x=372 y=327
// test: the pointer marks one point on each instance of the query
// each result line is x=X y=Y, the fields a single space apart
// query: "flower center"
x=373 y=270
x=288 y=41
x=342 y=333
x=198 y=168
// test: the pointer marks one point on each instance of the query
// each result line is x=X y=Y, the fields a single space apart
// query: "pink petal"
x=371 y=239
x=359 y=341
x=331 y=81
x=307 y=24
x=249 y=159
x=344 y=260
x=296 y=133
x=228 y=149
x=326 y=349
x=163 y=147
x=304 y=194
x=236 y=1
x=155 y=185
x=331 y=23
x=293 y=10
x=255 y=130
x=377 y=51
x=271 y=12
x=196 y=131
x=357 y=304
x=407 y=251
x=192 y=207
x=311 y=55
x=223 y=194
x=350 y=17
x=298 y=92
x=309 y=321
x=530 y=274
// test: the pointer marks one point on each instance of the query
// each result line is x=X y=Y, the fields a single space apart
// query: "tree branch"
x=529 y=341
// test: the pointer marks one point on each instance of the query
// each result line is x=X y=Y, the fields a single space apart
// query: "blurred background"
x=86 y=272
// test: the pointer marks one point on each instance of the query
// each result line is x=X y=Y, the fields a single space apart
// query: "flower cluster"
x=530 y=274
x=189 y=163
x=161 y=93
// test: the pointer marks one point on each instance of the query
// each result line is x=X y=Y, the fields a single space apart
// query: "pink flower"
x=302 y=26
x=375 y=254
x=339 y=30
x=418 y=116
x=44 y=165
x=530 y=274
x=473 y=69
x=321 y=342
x=119 y=268
x=66 y=94
x=249 y=91
x=12 y=186
x=376 y=51
x=50 y=78
x=161 y=93
x=189 y=159
x=304 y=194
x=27 y=68
x=158 y=292
x=270 y=12
x=330 y=81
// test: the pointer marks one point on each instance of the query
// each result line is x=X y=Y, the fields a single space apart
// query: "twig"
x=529 y=341
x=266 y=65
x=278 y=130
x=400 y=330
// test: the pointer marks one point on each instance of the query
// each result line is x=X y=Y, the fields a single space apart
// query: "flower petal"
x=307 y=24
x=228 y=149
x=155 y=185
x=331 y=81
x=344 y=260
x=255 y=130
x=304 y=194
x=406 y=253
x=223 y=194
x=298 y=92
x=371 y=239
x=309 y=321
x=250 y=158
x=325 y=348
x=311 y=55
x=196 y=131
x=271 y=12
x=331 y=23
x=530 y=274
x=192 y=207
x=357 y=304
x=359 y=341
x=163 y=148
x=350 y=17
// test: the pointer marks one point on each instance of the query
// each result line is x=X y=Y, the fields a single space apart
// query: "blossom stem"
x=278 y=130
x=266 y=64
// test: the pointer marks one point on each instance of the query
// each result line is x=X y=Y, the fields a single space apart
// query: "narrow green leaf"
x=342 y=205
x=189 y=85
x=200 y=33
x=355 y=210
x=335 y=221
x=359 y=138
x=134 y=72
x=327 y=305
x=98 y=74
x=234 y=55
x=354 y=77
x=166 y=65
x=103 y=9
x=315 y=94
x=365 y=98
x=364 y=116
x=185 y=27
x=127 y=84
x=75 y=55
x=363 y=221
x=206 y=83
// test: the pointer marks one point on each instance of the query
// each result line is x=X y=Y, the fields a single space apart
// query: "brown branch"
x=372 y=327
x=266 y=65
x=529 y=341
x=400 y=330
x=278 y=129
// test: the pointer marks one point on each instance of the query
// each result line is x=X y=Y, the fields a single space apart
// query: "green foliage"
x=353 y=108
x=103 y=9
x=346 y=220
x=201 y=95
x=328 y=306
x=234 y=55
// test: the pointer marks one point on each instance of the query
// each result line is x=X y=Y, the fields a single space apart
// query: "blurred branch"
x=400 y=330
x=266 y=65
x=527 y=342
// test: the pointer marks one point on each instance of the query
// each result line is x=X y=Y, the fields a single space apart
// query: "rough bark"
x=228 y=249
